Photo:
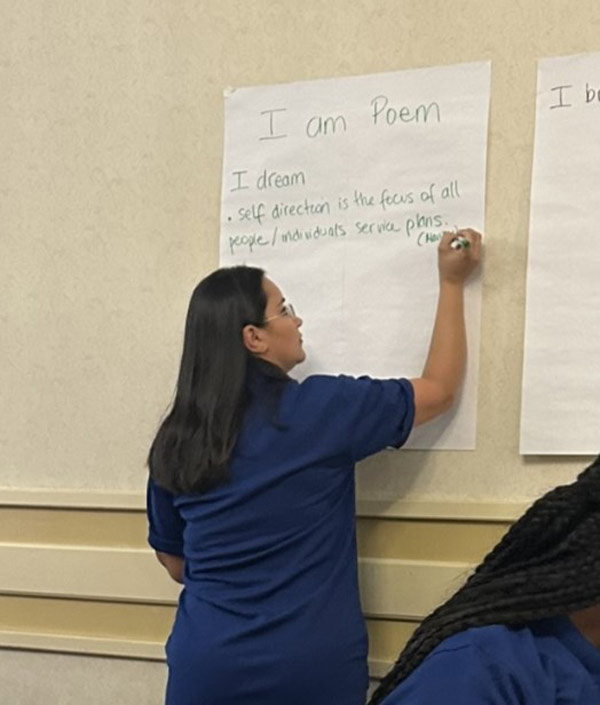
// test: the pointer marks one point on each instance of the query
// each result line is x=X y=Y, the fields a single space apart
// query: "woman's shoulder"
x=492 y=664
x=504 y=642
x=320 y=391
x=348 y=391
x=342 y=383
x=533 y=652
x=317 y=385
x=494 y=640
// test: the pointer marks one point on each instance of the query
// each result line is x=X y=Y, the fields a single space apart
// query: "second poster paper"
x=561 y=386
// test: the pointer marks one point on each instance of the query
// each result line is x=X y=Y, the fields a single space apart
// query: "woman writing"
x=251 y=492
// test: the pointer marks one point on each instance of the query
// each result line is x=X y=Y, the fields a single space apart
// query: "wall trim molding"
x=71 y=499
x=83 y=645
x=375 y=508
x=390 y=588
x=378 y=668
x=407 y=590
x=441 y=510
x=86 y=573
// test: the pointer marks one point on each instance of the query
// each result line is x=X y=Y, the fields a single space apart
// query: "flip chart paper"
x=561 y=383
x=341 y=189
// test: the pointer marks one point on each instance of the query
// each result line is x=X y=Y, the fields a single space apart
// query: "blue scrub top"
x=270 y=613
x=548 y=662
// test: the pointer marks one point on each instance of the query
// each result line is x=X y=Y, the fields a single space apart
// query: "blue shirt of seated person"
x=525 y=627
x=544 y=663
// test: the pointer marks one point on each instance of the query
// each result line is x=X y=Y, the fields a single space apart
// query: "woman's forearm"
x=444 y=368
x=445 y=363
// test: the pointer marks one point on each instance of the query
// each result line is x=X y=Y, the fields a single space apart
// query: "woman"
x=525 y=628
x=251 y=494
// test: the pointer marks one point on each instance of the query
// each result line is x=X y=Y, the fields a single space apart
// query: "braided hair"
x=547 y=564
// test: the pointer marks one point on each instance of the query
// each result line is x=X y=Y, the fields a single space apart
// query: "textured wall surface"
x=110 y=150
x=58 y=679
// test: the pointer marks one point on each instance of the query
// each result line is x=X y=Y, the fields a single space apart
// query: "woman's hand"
x=455 y=265
x=173 y=564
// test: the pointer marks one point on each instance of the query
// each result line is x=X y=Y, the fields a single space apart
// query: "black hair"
x=547 y=564
x=191 y=450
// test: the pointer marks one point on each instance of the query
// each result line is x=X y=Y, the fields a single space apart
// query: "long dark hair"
x=547 y=564
x=195 y=440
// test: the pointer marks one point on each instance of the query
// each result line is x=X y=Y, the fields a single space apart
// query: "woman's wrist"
x=448 y=283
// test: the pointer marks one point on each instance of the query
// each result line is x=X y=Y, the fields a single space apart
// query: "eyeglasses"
x=288 y=310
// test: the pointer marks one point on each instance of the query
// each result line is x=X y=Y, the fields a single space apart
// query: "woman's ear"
x=254 y=339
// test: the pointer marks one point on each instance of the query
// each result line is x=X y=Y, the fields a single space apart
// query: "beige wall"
x=110 y=148
x=110 y=184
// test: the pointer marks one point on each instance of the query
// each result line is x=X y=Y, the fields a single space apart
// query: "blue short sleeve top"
x=547 y=662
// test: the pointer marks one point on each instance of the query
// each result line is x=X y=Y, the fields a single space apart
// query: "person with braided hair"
x=525 y=627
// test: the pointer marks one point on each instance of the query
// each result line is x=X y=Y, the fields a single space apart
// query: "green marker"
x=460 y=243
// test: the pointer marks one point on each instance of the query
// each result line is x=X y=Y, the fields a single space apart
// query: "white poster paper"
x=561 y=380
x=341 y=189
